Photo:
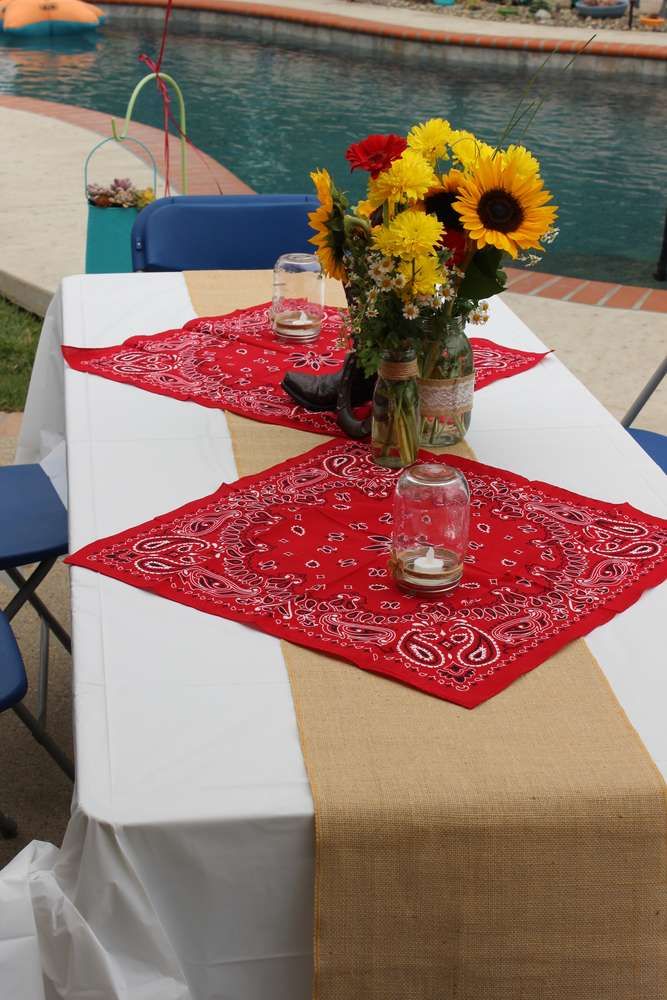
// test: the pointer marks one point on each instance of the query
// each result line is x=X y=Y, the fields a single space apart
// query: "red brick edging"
x=590 y=293
x=358 y=25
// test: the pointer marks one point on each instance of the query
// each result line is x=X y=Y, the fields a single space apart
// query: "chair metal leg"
x=8 y=827
x=25 y=588
x=646 y=393
x=43 y=681
x=26 y=593
x=52 y=748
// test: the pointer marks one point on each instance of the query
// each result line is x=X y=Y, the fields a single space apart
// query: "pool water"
x=272 y=113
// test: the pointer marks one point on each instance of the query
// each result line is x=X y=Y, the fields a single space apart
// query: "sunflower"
x=407 y=179
x=411 y=234
x=439 y=199
x=323 y=187
x=328 y=242
x=327 y=221
x=430 y=139
x=500 y=207
x=451 y=181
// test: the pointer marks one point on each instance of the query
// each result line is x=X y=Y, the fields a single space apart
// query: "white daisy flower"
x=479 y=316
x=410 y=310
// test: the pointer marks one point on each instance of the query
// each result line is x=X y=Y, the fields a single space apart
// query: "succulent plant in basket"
x=121 y=193
x=419 y=257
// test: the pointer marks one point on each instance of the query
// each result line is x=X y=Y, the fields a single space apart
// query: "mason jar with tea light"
x=297 y=308
x=431 y=522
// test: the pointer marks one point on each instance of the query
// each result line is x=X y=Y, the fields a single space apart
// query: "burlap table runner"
x=517 y=851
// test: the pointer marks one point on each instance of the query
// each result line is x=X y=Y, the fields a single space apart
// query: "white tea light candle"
x=428 y=563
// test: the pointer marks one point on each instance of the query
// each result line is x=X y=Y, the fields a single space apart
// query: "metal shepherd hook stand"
x=163 y=78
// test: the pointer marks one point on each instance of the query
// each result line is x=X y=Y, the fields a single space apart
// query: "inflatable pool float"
x=601 y=10
x=49 y=17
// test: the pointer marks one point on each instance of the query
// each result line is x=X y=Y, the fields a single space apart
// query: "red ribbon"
x=154 y=66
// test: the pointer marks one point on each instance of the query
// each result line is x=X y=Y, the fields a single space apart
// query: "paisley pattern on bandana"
x=300 y=551
x=235 y=363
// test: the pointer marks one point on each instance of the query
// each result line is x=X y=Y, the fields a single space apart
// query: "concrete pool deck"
x=45 y=210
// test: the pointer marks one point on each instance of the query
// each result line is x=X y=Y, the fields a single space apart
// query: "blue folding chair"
x=13 y=686
x=221 y=232
x=33 y=530
x=654 y=444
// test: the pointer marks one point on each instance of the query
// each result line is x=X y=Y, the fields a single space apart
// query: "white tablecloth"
x=187 y=868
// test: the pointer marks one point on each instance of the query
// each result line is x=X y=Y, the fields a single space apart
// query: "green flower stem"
x=401 y=430
x=432 y=357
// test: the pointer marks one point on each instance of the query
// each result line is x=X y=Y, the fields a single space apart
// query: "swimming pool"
x=271 y=113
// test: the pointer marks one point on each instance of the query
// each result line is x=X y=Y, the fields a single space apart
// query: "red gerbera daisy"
x=458 y=244
x=375 y=153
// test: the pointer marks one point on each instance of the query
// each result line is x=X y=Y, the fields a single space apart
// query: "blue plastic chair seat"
x=33 y=521
x=655 y=445
x=13 y=680
x=221 y=232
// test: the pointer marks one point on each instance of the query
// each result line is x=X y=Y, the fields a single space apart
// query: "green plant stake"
x=181 y=115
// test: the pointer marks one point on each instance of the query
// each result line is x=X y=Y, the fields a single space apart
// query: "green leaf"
x=484 y=277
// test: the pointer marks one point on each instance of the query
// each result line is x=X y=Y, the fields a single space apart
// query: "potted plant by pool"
x=111 y=214
x=601 y=8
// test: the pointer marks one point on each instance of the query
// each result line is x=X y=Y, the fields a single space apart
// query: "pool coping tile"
x=343 y=22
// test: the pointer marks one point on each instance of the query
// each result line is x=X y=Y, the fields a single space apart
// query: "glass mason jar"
x=446 y=387
x=297 y=308
x=395 y=428
x=430 y=528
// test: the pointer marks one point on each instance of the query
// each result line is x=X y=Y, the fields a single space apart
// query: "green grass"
x=19 y=333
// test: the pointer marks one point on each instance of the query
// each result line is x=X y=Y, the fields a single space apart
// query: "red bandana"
x=235 y=363
x=300 y=551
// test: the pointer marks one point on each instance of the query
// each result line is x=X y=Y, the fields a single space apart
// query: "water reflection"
x=48 y=55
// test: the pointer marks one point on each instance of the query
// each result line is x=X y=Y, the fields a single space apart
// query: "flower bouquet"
x=419 y=257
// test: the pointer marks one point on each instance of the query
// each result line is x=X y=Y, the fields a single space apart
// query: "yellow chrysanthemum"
x=411 y=234
x=467 y=148
x=526 y=164
x=407 y=179
x=500 y=207
x=430 y=139
x=422 y=275
x=323 y=187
